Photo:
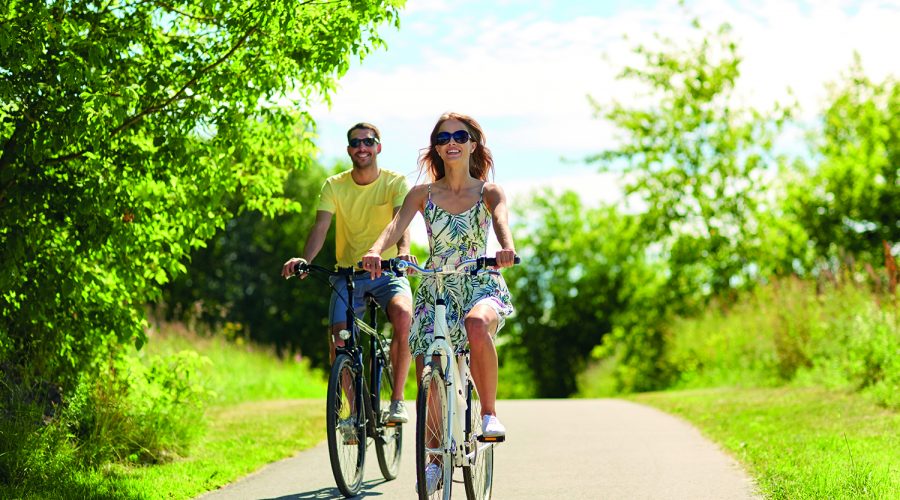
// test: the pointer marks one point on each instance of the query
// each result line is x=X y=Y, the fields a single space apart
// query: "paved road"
x=555 y=449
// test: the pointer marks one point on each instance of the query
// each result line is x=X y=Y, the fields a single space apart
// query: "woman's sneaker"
x=492 y=428
x=433 y=478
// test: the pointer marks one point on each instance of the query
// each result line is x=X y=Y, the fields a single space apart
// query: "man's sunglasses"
x=368 y=141
x=459 y=137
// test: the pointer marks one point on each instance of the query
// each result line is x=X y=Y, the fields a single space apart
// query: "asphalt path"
x=555 y=449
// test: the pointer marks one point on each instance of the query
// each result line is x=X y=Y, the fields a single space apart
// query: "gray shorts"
x=383 y=289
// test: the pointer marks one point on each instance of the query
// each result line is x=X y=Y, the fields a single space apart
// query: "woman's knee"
x=478 y=328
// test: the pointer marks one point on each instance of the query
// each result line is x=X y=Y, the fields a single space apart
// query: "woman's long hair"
x=480 y=163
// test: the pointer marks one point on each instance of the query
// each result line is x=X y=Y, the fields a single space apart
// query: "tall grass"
x=839 y=336
x=239 y=371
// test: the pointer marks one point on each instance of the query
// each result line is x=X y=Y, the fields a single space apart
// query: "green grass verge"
x=798 y=443
x=240 y=440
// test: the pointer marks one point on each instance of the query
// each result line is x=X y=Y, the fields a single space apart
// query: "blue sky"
x=524 y=70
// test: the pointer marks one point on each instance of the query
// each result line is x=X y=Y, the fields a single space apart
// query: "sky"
x=525 y=68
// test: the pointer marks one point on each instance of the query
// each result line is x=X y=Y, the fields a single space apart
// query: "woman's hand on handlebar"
x=290 y=267
x=505 y=258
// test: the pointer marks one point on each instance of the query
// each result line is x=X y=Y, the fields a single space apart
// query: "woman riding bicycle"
x=459 y=207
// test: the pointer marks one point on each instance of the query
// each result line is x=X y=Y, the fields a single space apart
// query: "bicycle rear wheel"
x=479 y=476
x=434 y=462
x=388 y=436
x=346 y=426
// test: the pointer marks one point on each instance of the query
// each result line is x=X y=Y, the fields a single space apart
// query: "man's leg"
x=399 y=312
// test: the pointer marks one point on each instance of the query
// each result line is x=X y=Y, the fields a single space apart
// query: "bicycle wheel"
x=388 y=436
x=479 y=476
x=434 y=462
x=346 y=426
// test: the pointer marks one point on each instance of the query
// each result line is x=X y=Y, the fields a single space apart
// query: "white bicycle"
x=448 y=411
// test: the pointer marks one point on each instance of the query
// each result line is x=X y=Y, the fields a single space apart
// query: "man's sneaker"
x=347 y=426
x=491 y=427
x=433 y=478
x=398 y=413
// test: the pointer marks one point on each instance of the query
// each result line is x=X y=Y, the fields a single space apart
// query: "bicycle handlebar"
x=481 y=265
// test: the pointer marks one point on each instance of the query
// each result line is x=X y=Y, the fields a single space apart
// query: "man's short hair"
x=364 y=126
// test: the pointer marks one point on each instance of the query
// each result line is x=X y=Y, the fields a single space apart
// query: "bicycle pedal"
x=392 y=424
x=491 y=439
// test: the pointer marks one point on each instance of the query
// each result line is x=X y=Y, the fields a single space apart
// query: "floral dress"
x=454 y=238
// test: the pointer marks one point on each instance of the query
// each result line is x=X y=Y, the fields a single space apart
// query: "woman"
x=458 y=206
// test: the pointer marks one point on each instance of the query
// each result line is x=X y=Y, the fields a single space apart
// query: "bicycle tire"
x=388 y=437
x=345 y=424
x=478 y=477
x=431 y=427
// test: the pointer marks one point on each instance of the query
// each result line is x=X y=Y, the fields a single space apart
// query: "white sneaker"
x=433 y=478
x=491 y=427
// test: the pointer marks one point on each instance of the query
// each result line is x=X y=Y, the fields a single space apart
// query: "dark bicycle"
x=359 y=393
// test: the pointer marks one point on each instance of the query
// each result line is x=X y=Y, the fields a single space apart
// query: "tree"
x=699 y=162
x=127 y=130
x=849 y=201
x=588 y=272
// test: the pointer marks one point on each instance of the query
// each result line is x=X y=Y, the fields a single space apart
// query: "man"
x=363 y=201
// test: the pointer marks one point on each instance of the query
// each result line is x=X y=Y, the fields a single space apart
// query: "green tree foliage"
x=697 y=160
x=127 y=130
x=850 y=200
x=587 y=274
x=236 y=279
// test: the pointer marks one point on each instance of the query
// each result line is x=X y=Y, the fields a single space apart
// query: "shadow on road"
x=333 y=492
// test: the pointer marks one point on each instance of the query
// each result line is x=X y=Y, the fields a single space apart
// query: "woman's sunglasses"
x=368 y=141
x=459 y=137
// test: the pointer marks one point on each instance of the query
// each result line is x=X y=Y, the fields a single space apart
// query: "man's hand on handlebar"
x=292 y=268
x=371 y=262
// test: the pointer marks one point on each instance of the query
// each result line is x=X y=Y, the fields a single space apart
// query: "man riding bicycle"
x=363 y=200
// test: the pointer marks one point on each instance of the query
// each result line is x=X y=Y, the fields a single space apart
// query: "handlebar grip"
x=492 y=261
x=300 y=267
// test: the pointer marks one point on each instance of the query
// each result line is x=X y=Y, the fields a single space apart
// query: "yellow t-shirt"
x=361 y=212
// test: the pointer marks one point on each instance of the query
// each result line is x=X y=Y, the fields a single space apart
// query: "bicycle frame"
x=456 y=370
x=353 y=348
x=365 y=406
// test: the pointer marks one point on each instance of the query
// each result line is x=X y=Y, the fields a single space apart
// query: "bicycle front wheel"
x=388 y=436
x=434 y=459
x=478 y=477
x=346 y=426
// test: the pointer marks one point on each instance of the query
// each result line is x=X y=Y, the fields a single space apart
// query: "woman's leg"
x=481 y=323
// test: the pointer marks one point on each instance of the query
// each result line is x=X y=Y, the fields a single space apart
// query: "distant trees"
x=234 y=283
x=719 y=210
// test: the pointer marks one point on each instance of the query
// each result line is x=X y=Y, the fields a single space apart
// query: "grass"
x=241 y=439
x=798 y=443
